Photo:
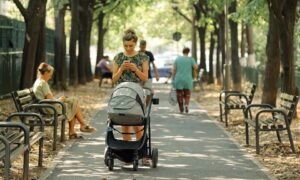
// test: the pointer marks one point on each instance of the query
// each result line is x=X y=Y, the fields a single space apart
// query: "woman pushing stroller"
x=126 y=108
x=130 y=66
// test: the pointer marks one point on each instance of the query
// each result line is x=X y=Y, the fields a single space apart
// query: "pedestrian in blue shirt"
x=184 y=69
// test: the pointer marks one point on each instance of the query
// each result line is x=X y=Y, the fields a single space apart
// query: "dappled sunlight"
x=173 y=165
x=186 y=139
x=91 y=144
x=188 y=145
x=183 y=154
x=199 y=132
x=163 y=108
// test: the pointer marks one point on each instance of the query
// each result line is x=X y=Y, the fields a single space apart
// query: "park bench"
x=16 y=139
x=269 y=118
x=25 y=101
x=235 y=100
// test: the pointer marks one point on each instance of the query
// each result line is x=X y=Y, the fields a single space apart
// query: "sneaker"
x=186 y=109
x=87 y=129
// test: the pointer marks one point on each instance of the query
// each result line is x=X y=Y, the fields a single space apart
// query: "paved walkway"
x=190 y=147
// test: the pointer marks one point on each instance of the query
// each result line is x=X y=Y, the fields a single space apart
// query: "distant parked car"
x=164 y=63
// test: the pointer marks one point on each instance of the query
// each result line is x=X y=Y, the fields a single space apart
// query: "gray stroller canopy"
x=126 y=104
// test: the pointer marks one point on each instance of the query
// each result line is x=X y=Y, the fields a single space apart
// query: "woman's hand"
x=62 y=98
x=132 y=67
x=125 y=65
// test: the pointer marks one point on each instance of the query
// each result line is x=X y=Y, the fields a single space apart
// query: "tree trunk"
x=73 y=41
x=41 y=46
x=100 y=43
x=194 y=39
x=273 y=63
x=235 y=63
x=250 y=50
x=85 y=27
x=218 y=64
x=34 y=45
x=60 y=78
x=211 y=55
x=286 y=34
x=243 y=45
x=222 y=41
x=201 y=31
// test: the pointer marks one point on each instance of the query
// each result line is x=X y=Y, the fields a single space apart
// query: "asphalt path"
x=191 y=146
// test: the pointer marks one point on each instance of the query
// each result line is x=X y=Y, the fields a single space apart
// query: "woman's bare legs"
x=83 y=125
x=126 y=129
x=72 y=126
x=138 y=132
x=186 y=96
x=80 y=118
x=180 y=94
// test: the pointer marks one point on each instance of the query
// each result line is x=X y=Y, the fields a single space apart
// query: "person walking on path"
x=130 y=66
x=184 y=69
x=148 y=83
x=42 y=90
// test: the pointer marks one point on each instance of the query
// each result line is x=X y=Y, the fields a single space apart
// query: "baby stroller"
x=126 y=107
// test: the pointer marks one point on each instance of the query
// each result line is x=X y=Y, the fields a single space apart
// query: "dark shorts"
x=107 y=75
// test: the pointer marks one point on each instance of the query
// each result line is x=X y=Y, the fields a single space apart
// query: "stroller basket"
x=126 y=104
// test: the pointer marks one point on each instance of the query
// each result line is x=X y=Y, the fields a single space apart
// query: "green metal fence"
x=12 y=34
x=251 y=74
x=257 y=76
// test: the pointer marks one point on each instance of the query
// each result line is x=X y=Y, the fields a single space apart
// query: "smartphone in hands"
x=126 y=64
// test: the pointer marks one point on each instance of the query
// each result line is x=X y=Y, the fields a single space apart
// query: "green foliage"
x=251 y=11
x=150 y=19
x=260 y=41
x=59 y=4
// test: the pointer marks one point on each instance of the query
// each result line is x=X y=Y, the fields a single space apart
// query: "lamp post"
x=176 y=35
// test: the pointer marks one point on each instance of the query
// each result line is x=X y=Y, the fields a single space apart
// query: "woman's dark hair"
x=186 y=50
x=129 y=35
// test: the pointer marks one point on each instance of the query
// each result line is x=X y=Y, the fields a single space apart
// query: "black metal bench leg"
x=226 y=117
x=291 y=139
x=221 y=113
x=63 y=127
x=26 y=165
x=54 y=137
x=278 y=135
x=247 y=133
x=7 y=164
x=41 y=145
x=257 y=140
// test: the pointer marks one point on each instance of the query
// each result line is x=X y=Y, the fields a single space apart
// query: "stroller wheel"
x=135 y=164
x=106 y=156
x=154 y=157
x=110 y=162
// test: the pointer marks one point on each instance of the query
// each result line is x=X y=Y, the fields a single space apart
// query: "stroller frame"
x=131 y=151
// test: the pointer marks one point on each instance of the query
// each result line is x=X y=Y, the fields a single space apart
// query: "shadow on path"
x=191 y=146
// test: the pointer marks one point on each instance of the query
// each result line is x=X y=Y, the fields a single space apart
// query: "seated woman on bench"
x=42 y=90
